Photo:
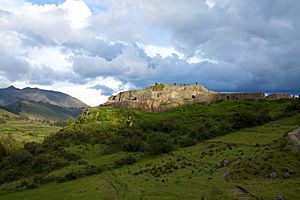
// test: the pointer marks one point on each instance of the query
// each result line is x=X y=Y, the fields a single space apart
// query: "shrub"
x=133 y=144
x=21 y=157
x=71 y=156
x=158 y=143
x=263 y=116
x=244 y=119
x=34 y=148
x=125 y=161
x=185 y=141
x=47 y=163
x=3 y=152
x=292 y=107
x=161 y=125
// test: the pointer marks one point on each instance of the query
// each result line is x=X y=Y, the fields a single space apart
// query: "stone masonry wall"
x=278 y=96
x=163 y=97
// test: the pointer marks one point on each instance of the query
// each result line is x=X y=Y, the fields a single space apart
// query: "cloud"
x=226 y=45
x=11 y=67
x=129 y=65
x=104 y=90
x=77 y=12
x=89 y=92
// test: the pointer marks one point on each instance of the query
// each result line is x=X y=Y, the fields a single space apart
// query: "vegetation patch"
x=215 y=146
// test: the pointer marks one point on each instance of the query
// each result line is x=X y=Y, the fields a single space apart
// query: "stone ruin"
x=278 y=96
x=161 y=97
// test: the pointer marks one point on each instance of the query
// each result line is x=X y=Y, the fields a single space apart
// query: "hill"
x=40 y=110
x=222 y=150
x=11 y=95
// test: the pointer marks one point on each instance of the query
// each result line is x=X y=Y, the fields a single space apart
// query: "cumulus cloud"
x=226 y=45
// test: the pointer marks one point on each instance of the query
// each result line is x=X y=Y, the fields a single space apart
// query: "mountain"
x=11 y=95
x=41 y=110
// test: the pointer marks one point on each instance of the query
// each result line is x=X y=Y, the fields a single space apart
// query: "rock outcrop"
x=162 y=97
x=279 y=96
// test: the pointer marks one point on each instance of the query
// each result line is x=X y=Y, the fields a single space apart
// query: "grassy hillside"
x=15 y=132
x=6 y=114
x=11 y=95
x=40 y=110
x=26 y=131
x=224 y=150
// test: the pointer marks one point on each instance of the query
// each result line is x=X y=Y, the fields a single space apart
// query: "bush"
x=201 y=132
x=161 y=125
x=3 y=152
x=34 y=148
x=185 y=141
x=133 y=144
x=71 y=156
x=128 y=160
x=293 y=106
x=47 y=163
x=244 y=119
x=263 y=116
x=158 y=143
x=21 y=157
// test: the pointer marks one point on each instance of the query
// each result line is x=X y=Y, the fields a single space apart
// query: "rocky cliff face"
x=279 y=96
x=162 y=97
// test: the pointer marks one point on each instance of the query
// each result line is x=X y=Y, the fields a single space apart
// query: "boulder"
x=273 y=175
x=224 y=163
x=278 y=197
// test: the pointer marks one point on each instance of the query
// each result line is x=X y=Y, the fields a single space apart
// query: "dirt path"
x=243 y=193
x=294 y=138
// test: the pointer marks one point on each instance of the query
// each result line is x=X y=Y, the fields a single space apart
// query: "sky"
x=91 y=49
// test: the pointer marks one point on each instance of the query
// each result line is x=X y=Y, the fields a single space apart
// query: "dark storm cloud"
x=245 y=45
x=256 y=43
x=11 y=67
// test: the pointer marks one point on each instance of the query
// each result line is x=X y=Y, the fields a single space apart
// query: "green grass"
x=187 y=173
x=26 y=130
x=261 y=134
x=157 y=87
x=6 y=113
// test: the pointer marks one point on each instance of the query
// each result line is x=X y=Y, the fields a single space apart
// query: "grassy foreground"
x=252 y=163
x=190 y=173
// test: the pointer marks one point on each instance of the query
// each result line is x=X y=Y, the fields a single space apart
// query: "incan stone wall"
x=162 y=97
x=278 y=96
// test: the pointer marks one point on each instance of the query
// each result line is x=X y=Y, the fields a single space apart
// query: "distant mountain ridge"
x=41 y=110
x=12 y=95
